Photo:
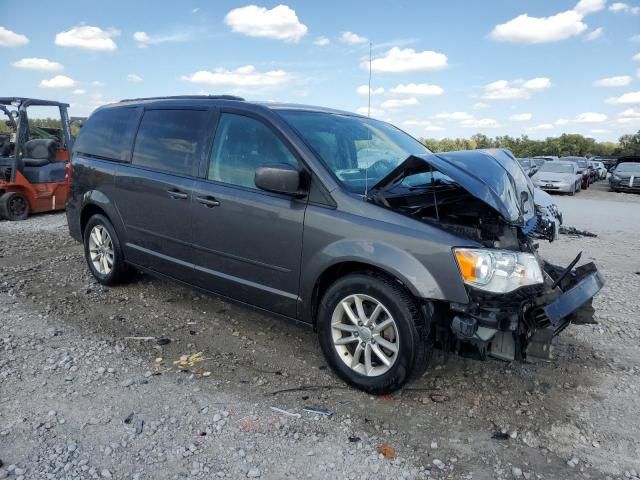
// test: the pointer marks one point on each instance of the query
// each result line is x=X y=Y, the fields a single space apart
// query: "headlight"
x=498 y=271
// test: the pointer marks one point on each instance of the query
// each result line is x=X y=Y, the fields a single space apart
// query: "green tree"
x=629 y=144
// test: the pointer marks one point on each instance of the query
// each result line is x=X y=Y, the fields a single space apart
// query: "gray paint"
x=260 y=248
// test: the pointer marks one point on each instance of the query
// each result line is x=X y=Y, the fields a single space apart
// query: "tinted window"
x=169 y=140
x=242 y=144
x=108 y=134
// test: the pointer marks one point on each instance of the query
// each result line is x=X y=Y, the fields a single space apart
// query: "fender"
x=99 y=199
x=396 y=262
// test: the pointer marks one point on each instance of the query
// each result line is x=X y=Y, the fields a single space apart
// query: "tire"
x=409 y=333
x=103 y=252
x=14 y=206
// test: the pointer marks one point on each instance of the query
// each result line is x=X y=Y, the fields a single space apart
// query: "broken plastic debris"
x=284 y=412
x=327 y=412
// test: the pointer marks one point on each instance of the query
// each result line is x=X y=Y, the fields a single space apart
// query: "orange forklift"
x=34 y=158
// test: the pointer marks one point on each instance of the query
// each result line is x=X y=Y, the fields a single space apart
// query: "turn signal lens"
x=475 y=266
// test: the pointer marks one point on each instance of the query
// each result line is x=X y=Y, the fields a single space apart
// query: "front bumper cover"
x=574 y=298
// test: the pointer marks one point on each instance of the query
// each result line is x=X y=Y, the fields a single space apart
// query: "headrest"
x=40 y=148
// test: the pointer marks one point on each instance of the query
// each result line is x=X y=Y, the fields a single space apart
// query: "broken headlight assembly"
x=497 y=271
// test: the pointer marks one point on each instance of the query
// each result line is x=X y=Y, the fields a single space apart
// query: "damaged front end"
x=517 y=301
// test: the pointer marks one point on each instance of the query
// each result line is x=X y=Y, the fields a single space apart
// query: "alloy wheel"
x=101 y=250
x=365 y=335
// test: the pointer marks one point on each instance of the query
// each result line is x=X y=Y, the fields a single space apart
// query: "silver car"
x=558 y=177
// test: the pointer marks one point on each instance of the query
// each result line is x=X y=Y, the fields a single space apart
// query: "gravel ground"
x=81 y=399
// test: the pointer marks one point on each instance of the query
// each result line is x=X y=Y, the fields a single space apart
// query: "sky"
x=439 y=69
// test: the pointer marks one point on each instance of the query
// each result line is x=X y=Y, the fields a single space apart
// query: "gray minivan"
x=332 y=219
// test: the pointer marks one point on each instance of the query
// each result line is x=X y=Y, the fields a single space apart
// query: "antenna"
x=369 y=106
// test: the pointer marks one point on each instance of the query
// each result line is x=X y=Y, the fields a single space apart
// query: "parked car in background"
x=558 y=177
x=626 y=175
x=271 y=205
x=583 y=169
x=600 y=169
x=528 y=165
x=539 y=161
x=547 y=158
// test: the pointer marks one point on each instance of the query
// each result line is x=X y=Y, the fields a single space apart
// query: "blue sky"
x=455 y=68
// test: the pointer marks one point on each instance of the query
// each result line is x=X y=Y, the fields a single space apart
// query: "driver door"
x=247 y=242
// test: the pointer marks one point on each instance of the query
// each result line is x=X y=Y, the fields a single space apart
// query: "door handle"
x=177 y=194
x=208 y=201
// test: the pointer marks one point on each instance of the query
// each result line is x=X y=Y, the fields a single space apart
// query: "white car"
x=558 y=176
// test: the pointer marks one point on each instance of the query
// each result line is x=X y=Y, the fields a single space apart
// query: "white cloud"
x=133 y=78
x=585 y=7
x=375 y=112
x=88 y=37
x=543 y=126
x=79 y=91
x=351 y=38
x=620 y=7
x=59 y=81
x=520 y=117
x=635 y=38
x=539 y=83
x=526 y=29
x=417 y=89
x=453 y=116
x=242 y=77
x=598 y=130
x=594 y=34
x=505 y=90
x=626 y=99
x=11 y=39
x=98 y=83
x=636 y=57
x=620 y=81
x=399 y=102
x=480 y=105
x=630 y=112
x=279 y=23
x=425 y=125
x=40 y=64
x=405 y=60
x=561 y=121
x=590 y=117
x=563 y=25
x=144 y=39
x=321 y=41
x=480 y=123
x=364 y=90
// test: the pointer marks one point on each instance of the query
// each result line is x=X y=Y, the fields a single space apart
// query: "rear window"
x=108 y=134
x=170 y=140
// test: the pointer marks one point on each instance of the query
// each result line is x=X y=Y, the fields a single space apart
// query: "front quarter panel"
x=417 y=254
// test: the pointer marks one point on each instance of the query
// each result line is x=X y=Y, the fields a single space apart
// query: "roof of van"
x=226 y=100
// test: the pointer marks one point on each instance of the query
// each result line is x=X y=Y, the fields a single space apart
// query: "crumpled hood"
x=493 y=176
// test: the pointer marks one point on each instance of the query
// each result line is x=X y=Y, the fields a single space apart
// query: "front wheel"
x=372 y=333
x=14 y=206
x=103 y=253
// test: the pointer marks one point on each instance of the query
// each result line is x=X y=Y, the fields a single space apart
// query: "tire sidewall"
x=6 y=197
x=112 y=277
x=373 y=287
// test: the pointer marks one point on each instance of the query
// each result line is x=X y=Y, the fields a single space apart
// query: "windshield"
x=557 y=167
x=628 y=168
x=359 y=151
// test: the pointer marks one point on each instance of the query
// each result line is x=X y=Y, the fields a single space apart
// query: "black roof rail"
x=182 y=97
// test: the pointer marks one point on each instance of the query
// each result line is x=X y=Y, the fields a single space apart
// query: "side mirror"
x=533 y=171
x=279 y=178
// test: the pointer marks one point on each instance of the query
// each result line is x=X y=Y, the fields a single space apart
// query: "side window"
x=241 y=145
x=108 y=134
x=170 y=140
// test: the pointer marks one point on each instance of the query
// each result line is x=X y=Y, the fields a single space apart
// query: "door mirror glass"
x=279 y=178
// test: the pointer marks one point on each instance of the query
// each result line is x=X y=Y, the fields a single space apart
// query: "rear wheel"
x=103 y=253
x=14 y=206
x=372 y=333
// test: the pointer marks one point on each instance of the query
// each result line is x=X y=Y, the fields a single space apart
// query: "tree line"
x=565 y=145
